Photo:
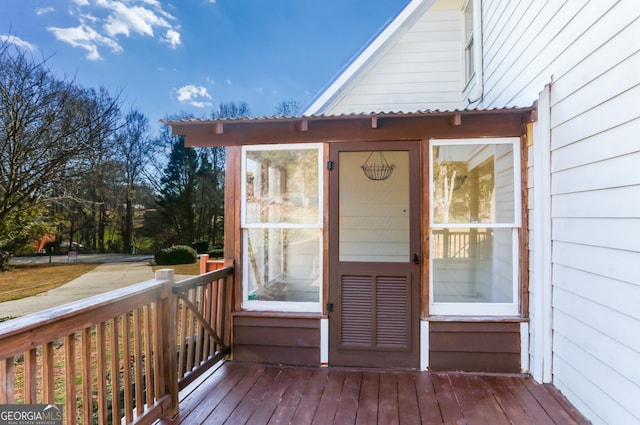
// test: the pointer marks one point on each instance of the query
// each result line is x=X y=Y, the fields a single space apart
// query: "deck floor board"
x=256 y=394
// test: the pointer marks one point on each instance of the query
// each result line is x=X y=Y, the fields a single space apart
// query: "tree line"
x=80 y=168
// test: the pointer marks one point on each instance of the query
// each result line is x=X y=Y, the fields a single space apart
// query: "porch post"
x=167 y=315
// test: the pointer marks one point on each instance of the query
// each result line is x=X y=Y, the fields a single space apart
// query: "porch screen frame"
x=479 y=308
x=245 y=226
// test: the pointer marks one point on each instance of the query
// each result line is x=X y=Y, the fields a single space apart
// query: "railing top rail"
x=203 y=279
x=56 y=322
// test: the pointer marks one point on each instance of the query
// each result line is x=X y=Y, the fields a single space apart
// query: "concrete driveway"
x=117 y=270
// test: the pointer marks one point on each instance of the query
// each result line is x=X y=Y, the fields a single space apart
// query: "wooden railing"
x=459 y=243
x=204 y=328
x=119 y=357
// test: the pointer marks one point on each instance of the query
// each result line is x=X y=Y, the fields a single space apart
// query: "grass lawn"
x=184 y=269
x=26 y=280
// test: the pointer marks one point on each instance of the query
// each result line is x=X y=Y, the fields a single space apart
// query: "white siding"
x=589 y=51
x=422 y=70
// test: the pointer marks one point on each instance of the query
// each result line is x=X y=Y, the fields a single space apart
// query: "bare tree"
x=100 y=113
x=288 y=108
x=135 y=150
x=231 y=110
x=39 y=135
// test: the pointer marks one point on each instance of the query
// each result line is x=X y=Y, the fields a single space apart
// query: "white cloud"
x=102 y=22
x=127 y=19
x=17 y=41
x=194 y=96
x=86 y=38
x=172 y=38
x=44 y=10
x=229 y=82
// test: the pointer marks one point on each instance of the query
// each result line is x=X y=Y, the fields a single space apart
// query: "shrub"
x=178 y=254
x=216 y=253
x=201 y=247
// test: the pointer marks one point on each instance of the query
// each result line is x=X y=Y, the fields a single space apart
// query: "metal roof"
x=388 y=114
x=395 y=125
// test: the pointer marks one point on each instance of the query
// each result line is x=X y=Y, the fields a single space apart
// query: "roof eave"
x=353 y=127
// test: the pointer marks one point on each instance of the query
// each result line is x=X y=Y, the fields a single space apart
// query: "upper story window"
x=472 y=42
x=468 y=41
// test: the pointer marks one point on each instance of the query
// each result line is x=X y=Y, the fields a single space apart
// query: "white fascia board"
x=409 y=14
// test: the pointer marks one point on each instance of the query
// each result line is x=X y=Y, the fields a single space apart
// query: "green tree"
x=178 y=190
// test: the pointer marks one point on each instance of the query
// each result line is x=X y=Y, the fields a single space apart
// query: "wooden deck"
x=243 y=393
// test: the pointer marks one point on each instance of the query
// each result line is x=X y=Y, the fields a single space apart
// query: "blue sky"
x=168 y=57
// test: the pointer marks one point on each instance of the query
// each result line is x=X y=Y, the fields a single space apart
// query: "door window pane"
x=374 y=214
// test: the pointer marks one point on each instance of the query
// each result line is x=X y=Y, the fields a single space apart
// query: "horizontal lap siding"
x=589 y=51
x=474 y=346
x=421 y=70
x=277 y=340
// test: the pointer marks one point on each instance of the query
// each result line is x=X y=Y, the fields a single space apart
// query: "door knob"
x=416 y=259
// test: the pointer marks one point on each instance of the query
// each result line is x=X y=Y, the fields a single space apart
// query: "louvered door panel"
x=376 y=312
x=357 y=302
x=393 y=311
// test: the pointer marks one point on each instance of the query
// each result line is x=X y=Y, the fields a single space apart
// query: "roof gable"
x=379 y=44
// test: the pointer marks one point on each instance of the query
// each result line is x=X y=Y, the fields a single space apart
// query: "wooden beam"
x=374 y=122
x=303 y=125
x=456 y=120
x=219 y=128
x=530 y=117
x=410 y=127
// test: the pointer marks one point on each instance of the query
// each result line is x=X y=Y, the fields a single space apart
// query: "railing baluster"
x=48 y=383
x=200 y=336
x=115 y=371
x=189 y=333
x=126 y=361
x=137 y=349
x=208 y=306
x=182 y=355
x=101 y=342
x=6 y=380
x=87 y=380
x=157 y=350
x=70 y=379
x=30 y=365
x=148 y=355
